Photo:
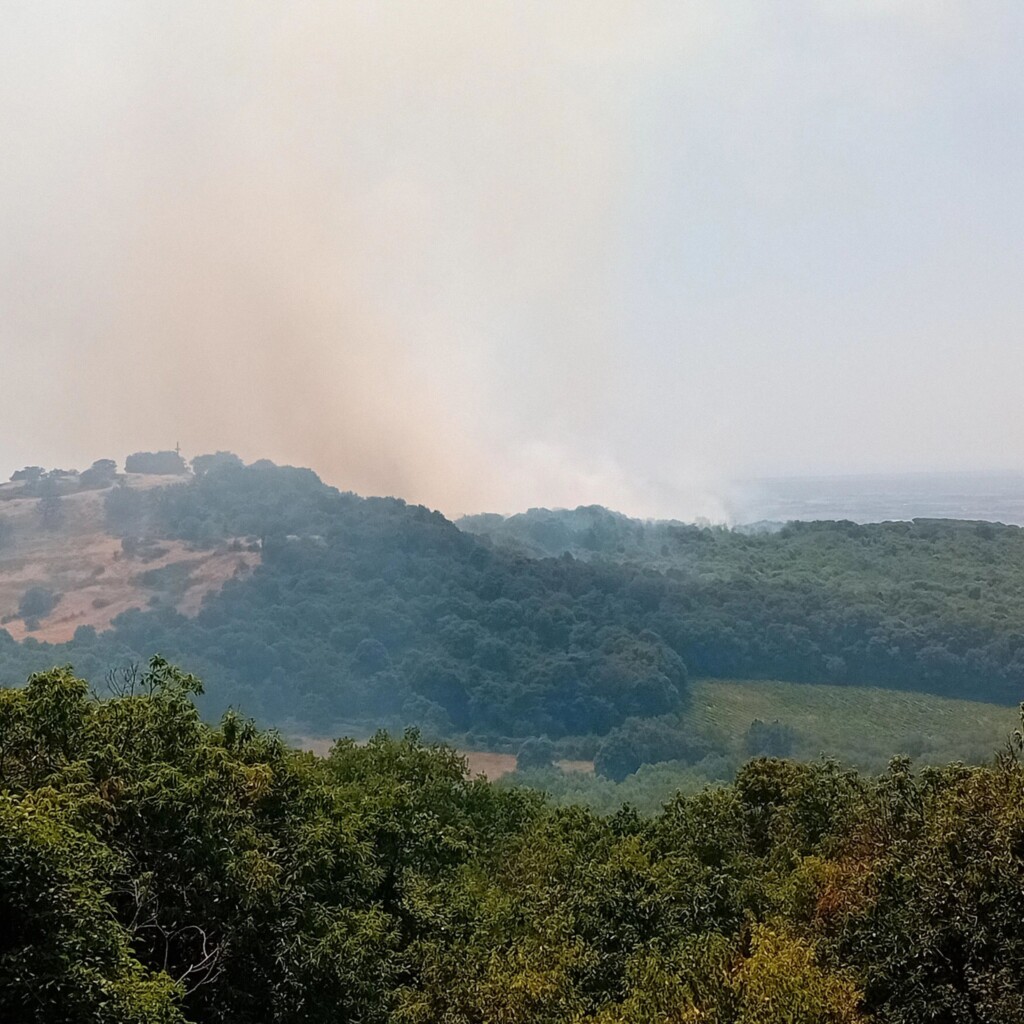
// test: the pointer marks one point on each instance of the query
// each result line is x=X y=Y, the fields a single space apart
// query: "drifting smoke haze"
x=485 y=256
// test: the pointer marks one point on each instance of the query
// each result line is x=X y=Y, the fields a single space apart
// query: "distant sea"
x=874 y=499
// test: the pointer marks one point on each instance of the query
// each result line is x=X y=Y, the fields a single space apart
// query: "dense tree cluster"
x=649 y=741
x=36 y=481
x=768 y=739
x=370 y=611
x=927 y=605
x=101 y=474
x=156 y=870
x=161 y=463
x=37 y=602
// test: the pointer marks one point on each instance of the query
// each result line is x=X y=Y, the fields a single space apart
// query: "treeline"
x=925 y=605
x=157 y=870
x=37 y=480
x=931 y=605
x=373 y=611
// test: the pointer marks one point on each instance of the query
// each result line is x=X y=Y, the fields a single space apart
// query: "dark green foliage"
x=202 y=464
x=647 y=741
x=37 y=602
x=51 y=505
x=768 y=739
x=62 y=956
x=370 y=611
x=923 y=605
x=149 y=862
x=102 y=473
x=373 y=611
x=154 y=869
x=536 y=752
x=617 y=757
x=126 y=512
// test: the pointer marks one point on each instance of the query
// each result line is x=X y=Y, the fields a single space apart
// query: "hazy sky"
x=489 y=255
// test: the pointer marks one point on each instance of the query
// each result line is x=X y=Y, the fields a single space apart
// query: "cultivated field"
x=860 y=725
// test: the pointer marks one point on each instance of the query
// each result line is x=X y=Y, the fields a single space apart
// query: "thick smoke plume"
x=318 y=232
x=479 y=255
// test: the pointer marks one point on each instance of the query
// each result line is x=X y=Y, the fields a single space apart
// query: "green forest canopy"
x=158 y=870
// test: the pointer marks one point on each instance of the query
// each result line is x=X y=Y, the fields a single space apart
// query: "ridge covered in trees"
x=930 y=605
x=370 y=611
x=158 y=870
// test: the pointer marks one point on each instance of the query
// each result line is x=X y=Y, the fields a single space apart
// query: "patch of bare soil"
x=493 y=766
x=96 y=581
x=480 y=762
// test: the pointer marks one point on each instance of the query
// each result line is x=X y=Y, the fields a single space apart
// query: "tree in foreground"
x=157 y=869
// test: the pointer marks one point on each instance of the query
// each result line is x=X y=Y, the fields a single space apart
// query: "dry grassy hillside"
x=95 y=579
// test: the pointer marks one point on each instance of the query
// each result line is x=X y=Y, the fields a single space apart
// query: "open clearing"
x=479 y=762
x=860 y=725
x=85 y=565
x=494 y=766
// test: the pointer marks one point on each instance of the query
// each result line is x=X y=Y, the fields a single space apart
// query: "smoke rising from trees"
x=487 y=256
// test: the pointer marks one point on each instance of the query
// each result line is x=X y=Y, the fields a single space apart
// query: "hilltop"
x=92 y=575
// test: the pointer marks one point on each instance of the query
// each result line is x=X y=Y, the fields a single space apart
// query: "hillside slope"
x=368 y=612
x=931 y=605
x=90 y=574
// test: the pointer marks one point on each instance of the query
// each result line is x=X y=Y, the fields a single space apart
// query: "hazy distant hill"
x=929 y=604
x=340 y=613
x=354 y=612
x=584 y=532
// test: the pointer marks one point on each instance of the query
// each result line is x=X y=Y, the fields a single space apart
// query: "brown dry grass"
x=493 y=766
x=479 y=762
x=85 y=565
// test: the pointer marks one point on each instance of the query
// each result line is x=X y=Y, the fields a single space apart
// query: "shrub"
x=535 y=753
x=768 y=740
x=202 y=464
x=102 y=473
x=37 y=602
x=648 y=741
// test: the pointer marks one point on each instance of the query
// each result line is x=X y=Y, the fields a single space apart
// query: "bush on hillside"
x=37 y=602
x=535 y=753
